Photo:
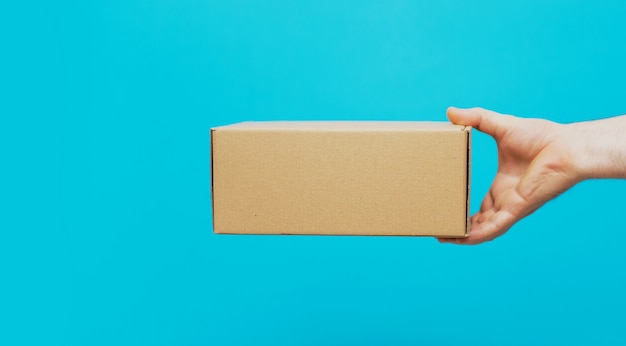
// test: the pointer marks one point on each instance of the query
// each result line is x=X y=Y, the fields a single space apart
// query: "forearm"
x=600 y=147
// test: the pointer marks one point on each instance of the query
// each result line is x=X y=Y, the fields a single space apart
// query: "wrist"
x=596 y=148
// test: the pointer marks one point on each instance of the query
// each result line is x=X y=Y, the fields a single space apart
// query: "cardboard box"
x=344 y=178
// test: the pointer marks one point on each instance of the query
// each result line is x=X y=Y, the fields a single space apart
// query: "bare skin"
x=537 y=161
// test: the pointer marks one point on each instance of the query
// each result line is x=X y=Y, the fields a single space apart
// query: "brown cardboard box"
x=347 y=178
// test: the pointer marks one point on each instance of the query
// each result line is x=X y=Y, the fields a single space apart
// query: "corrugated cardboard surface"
x=344 y=178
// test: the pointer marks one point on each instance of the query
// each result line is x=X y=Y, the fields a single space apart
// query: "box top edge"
x=345 y=126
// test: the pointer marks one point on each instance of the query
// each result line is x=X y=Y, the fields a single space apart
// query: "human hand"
x=536 y=163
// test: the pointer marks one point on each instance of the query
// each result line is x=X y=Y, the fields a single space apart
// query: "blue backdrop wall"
x=105 y=227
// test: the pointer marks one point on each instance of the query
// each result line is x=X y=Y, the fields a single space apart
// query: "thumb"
x=484 y=120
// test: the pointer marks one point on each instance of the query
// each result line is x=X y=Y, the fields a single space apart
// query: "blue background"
x=105 y=223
